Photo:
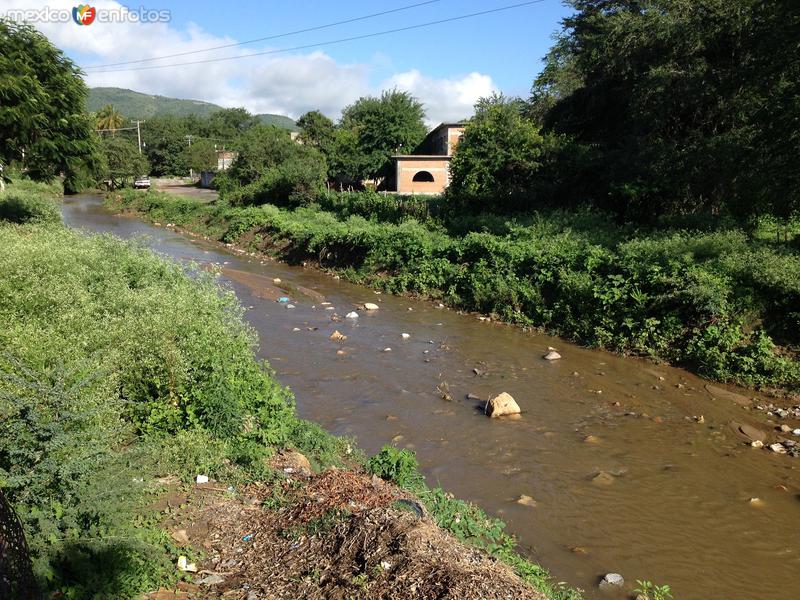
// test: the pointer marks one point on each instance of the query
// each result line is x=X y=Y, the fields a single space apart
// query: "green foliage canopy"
x=388 y=125
x=498 y=157
x=684 y=105
x=42 y=107
x=121 y=161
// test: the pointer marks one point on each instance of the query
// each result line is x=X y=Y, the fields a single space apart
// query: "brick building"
x=427 y=171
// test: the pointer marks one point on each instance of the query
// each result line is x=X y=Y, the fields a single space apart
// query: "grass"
x=117 y=368
x=709 y=296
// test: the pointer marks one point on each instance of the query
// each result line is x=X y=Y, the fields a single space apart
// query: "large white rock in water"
x=611 y=581
x=502 y=405
x=370 y=306
x=552 y=354
x=351 y=315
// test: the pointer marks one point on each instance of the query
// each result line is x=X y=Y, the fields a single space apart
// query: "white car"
x=142 y=183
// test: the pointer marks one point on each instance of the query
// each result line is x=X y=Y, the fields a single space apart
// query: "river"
x=674 y=499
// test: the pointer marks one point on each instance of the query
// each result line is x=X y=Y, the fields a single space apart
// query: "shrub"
x=19 y=206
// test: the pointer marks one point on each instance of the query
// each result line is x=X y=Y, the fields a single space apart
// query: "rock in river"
x=552 y=354
x=612 y=581
x=749 y=433
x=501 y=405
x=370 y=306
x=603 y=478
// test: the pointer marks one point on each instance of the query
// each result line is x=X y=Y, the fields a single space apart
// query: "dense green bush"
x=117 y=367
x=715 y=300
x=385 y=208
x=20 y=206
x=271 y=167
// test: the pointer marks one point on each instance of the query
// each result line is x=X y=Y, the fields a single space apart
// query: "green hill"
x=141 y=106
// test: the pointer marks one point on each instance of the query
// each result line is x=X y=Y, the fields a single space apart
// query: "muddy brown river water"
x=674 y=499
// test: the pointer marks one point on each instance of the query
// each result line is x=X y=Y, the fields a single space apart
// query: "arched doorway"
x=423 y=176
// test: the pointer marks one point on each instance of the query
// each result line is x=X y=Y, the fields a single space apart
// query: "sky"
x=448 y=66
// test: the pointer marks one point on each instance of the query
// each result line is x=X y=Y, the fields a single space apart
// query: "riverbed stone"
x=501 y=405
x=526 y=500
x=603 y=478
x=370 y=306
x=612 y=581
x=552 y=354
x=749 y=433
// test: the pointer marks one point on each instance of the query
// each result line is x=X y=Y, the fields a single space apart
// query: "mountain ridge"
x=138 y=105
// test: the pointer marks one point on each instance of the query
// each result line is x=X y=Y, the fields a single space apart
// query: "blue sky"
x=507 y=45
x=448 y=66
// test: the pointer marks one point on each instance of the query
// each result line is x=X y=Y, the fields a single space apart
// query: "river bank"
x=667 y=473
x=711 y=301
x=129 y=374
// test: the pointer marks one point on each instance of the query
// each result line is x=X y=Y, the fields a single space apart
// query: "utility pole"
x=139 y=133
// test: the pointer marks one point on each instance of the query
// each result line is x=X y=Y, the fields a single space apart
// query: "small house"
x=427 y=170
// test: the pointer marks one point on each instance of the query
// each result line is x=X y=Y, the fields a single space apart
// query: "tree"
x=43 y=122
x=391 y=124
x=201 y=156
x=497 y=158
x=165 y=140
x=316 y=130
x=229 y=123
x=347 y=161
x=559 y=78
x=271 y=167
x=109 y=118
x=121 y=161
x=259 y=148
x=685 y=105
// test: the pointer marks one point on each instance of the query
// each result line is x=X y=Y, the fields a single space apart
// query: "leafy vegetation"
x=678 y=107
x=651 y=591
x=709 y=297
x=121 y=161
x=118 y=367
x=272 y=167
x=43 y=126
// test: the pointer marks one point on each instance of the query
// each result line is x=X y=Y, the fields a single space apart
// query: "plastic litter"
x=185 y=566
x=283 y=299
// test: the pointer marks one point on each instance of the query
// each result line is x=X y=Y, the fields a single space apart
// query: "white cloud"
x=444 y=99
x=289 y=84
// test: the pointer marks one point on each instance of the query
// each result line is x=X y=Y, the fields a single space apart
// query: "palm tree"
x=109 y=118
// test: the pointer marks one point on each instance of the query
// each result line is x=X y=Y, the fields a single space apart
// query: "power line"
x=269 y=37
x=328 y=43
